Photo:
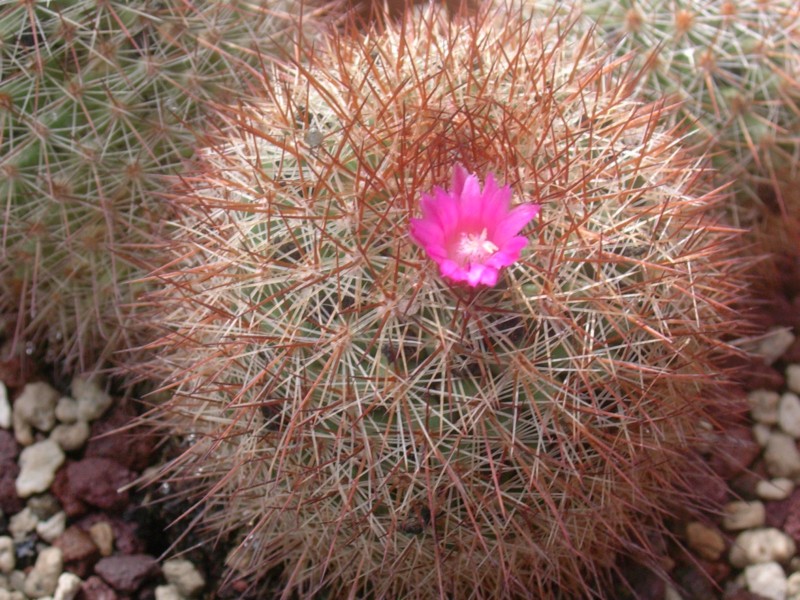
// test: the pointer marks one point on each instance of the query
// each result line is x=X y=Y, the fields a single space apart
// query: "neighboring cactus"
x=378 y=431
x=735 y=65
x=97 y=102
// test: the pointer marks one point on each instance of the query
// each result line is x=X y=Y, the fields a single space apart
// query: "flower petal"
x=460 y=175
x=508 y=254
x=471 y=203
x=449 y=268
x=489 y=276
x=475 y=274
x=442 y=208
x=436 y=252
x=513 y=223
x=426 y=233
x=495 y=204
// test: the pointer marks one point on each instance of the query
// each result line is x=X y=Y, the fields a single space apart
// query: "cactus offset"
x=734 y=65
x=374 y=429
x=97 y=102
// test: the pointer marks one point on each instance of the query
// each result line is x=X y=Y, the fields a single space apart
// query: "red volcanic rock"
x=79 y=551
x=97 y=481
x=126 y=541
x=131 y=448
x=127 y=573
x=15 y=368
x=735 y=450
x=690 y=579
x=791 y=524
x=95 y=588
x=744 y=484
x=759 y=376
x=9 y=448
x=61 y=489
x=10 y=503
x=792 y=355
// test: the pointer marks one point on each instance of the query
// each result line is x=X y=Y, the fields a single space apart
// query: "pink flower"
x=472 y=234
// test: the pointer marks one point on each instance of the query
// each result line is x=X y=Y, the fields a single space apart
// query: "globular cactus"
x=369 y=428
x=97 y=104
x=735 y=66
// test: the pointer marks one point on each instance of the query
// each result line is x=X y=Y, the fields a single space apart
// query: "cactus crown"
x=379 y=430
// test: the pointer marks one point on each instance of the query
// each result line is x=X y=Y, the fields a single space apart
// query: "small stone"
x=767 y=580
x=793 y=587
x=43 y=578
x=102 y=535
x=22 y=523
x=789 y=414
x=184 y=576
x=757 y=546
x=26 y=552
x=670 y=593
x=104 y=492
x=757 y=375
x=115 y=437
x=79 y=551
x=126 y=573
x=791 y=522
x=70 y=436
x=707 y=542
x=67 y=410
x=10 y=502
x=764 y=406
x=734 y=452
x=67 y=587
x=168 y=592
x=779 y=488
x=53 y=527
x=781 y=456
x=794 y=564
x=126 y=537
x=61 y=489
x=5 y=407
x=8 y=559
x=38 y=465
x=92 y=401
x=43 y=506
x=793 y=378
x=95 y=588
x=35 y=408
x=743 y=515
x=17 y=580
x=774 y=343
x=761 y=433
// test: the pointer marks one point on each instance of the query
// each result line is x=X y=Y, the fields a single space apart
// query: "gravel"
x=68 y=522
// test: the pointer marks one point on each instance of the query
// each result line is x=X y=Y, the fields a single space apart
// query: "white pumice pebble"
x=764 y=406
x=38 y=464
x=789 y=414
x=5 y=407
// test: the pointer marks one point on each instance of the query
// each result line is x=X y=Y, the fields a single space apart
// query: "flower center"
x=473 y=248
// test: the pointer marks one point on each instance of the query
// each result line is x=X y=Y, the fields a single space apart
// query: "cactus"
x=371 y=429
x=97 y=103
x=735 y=65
